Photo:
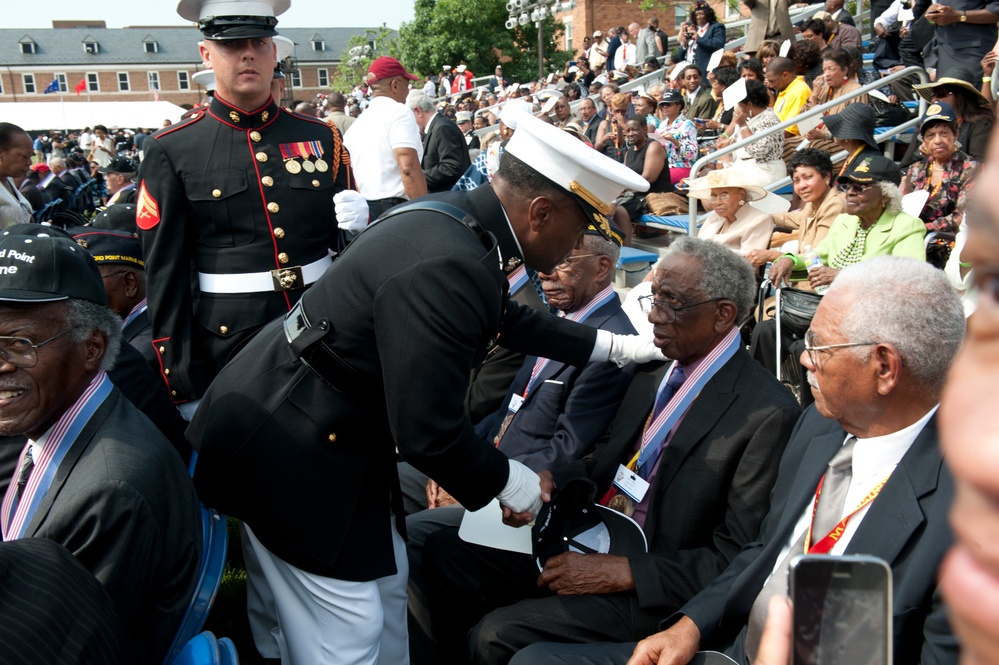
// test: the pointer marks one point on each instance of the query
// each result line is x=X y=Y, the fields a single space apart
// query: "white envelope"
x=785 y=48
x=913 y=202
x=485 y=527
x=806 y=125
x=715 y=59
x=734 y=94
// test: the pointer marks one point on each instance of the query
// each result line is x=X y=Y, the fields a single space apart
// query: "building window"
x=318 y=45
x=183 y=81
x=324 y=77
x=123 y=82
x=679 y=15
x=29 y=83
x=295 y=78
x=93 y=82
x=62 y=82
x=150 y=47
x=567 y=22
x=91 y=47
x=1 y=85
x=28 y=47
x=154 y=80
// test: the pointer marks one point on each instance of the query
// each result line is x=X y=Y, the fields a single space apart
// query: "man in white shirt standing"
x=627 y=52
x=384 y=144
x=863 y=473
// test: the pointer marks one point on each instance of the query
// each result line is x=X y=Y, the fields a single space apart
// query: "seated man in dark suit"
x=119 y=258
x=95 y=476
x=704 y=433
x=877 y=366
x=552 y=414
x=445 y=151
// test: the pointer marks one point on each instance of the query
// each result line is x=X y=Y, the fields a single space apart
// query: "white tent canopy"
x=35 y=116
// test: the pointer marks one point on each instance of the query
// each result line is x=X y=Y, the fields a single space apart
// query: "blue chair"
x=201 y=649
x=76 y=198
x=214 y=543
x=227 y=652
x=632 y=257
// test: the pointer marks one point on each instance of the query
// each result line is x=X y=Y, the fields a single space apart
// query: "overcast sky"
x=121 y=13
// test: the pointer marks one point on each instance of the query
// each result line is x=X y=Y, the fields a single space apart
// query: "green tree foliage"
x=353 y=66
x=451 y=32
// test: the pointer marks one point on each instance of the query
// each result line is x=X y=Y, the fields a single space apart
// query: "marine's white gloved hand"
x=627 y=349
x=351 y=211
x=523 y=490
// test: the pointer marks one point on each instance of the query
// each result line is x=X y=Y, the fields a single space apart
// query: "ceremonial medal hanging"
x=305 y=151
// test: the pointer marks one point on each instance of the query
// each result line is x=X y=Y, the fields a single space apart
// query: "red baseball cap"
x=385 y=67
x=40 y=168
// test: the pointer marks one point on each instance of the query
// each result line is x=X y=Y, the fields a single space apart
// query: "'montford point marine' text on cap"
x=47 y=269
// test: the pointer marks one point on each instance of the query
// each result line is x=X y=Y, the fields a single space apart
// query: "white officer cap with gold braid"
x=592 y=178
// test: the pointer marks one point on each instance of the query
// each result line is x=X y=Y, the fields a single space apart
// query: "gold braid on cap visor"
x=589 y=197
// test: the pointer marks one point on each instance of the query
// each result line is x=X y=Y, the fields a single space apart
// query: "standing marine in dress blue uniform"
x=235 y=205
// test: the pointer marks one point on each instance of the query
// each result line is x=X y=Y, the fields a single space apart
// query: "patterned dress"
x=945 y=207
x=685 y=154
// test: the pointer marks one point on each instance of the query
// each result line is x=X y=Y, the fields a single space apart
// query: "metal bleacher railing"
x=880 y=138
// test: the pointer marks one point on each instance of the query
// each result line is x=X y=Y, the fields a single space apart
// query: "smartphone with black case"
x=842 y=610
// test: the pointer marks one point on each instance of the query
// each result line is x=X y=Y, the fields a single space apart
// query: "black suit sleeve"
x=445 y=157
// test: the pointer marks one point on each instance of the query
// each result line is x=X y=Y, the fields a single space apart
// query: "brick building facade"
x=589 y=16
x=138 y=63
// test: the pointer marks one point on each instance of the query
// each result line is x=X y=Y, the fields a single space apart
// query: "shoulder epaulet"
x=304 y=117
x=186 y=120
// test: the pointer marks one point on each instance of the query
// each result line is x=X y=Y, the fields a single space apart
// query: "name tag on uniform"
x=630 y=483
x=516 y=401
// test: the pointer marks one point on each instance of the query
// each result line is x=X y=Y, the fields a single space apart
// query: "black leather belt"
x=305 y=344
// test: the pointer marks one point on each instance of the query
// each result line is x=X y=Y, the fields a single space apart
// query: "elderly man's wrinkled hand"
x=571 y=573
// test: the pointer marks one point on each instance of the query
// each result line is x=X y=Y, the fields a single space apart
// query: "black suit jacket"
x=491 y=380
x=711 y=491
x=591 y=129
x=906 y=526
x=568 y=409
x=445 y=155
x=123 y=504
x=412 y=314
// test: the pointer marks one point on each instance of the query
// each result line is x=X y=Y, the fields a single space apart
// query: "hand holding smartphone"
x=841 y=610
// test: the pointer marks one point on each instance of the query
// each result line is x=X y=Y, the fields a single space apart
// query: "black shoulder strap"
x=454 y=212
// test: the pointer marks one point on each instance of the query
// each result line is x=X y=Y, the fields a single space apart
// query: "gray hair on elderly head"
x=913 y=308
x=417 y=99
x=725 y=275
x=595 y=244
x=894 y=194
x=84 y=317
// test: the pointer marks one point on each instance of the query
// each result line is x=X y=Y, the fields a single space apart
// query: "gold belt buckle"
x=288 y=279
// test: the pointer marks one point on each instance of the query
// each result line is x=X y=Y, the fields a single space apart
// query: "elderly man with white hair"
x=445 y=152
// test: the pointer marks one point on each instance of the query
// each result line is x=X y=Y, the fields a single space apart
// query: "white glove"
x=351 y=211
x=627 y=349
x=523 y=490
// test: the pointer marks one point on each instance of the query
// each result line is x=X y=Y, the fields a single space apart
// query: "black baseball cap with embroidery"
x=937 y=112
x=573 y=522
x=874 y=168
x=119 y=164
x=108 y=246
x=47 y=268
